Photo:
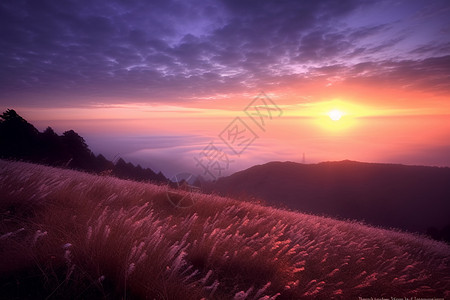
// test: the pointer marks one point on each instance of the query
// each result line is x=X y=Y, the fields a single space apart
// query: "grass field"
x=73 y=235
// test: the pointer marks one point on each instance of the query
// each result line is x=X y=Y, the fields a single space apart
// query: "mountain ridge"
x=412 y=198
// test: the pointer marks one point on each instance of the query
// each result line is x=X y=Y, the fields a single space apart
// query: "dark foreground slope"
x=72 y=235
x=412 y=198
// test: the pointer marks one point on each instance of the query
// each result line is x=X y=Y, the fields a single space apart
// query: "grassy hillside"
x=66 y=234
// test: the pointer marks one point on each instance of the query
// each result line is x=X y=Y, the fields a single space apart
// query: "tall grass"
x=67 y=234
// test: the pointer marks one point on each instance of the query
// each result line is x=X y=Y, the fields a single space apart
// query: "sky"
x=213 y=87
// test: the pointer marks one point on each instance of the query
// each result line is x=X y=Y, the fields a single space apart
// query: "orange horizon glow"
x=402 y=128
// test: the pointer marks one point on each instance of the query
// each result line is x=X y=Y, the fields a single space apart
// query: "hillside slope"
x=67 y=234
x=412 y=198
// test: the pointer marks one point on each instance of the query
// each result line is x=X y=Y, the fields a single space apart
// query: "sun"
x=335 y=115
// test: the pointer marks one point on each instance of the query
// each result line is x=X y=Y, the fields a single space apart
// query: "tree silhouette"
x=21 y=140
x=51 y=148
x=102 y=164
x=18 y=138
x=79 y=154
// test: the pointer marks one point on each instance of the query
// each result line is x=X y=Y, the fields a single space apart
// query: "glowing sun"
x=335 y=115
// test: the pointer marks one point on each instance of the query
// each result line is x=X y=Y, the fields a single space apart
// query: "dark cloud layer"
x=169 y=50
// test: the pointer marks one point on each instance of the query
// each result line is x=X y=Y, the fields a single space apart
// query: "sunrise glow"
x=335 y=115
x=349 y=90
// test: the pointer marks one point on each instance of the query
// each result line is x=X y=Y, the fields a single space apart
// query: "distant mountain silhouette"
x=412 y=198
x=19 y=140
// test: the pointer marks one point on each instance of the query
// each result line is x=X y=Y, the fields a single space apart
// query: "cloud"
x=82 y=52
x=431 y=74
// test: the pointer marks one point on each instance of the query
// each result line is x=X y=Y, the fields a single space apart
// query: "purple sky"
x=92 y=65
x=79 y=53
